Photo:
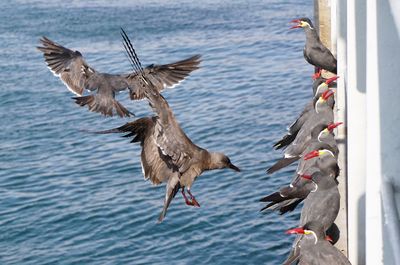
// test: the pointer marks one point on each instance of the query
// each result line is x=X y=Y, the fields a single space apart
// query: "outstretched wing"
x=66 y=64
x=163 y=76
x=77 y=75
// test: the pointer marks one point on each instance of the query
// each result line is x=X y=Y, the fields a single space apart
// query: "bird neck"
x=311 y=35
x=212 y=161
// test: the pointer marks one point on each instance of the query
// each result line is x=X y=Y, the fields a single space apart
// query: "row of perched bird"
x=168 y=155
x=310 y=139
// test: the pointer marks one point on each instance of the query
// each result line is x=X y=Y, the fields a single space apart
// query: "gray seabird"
x=77 y=75
x=305 y=142
x=322 y=114
x=319 y=87
x=314 y=51
x=324 y=157
x=168 y=155
x=290 y=195
x=312 y=248
x=323 y=201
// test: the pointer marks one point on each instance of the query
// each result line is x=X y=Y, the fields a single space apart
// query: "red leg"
x=195 y=203
x=186 y=199
x=317 y=74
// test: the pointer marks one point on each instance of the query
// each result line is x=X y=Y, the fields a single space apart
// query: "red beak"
x=308 y=177
x=312 y=154
x=330 y=80
x=295 y=26
x=327 y=94
x=298 y=230
x=333 y=126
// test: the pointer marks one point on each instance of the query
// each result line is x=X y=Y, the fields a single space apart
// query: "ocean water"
x=68 y=197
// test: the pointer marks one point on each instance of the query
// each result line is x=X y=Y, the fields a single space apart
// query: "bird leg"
x=317 y=74
x=186 y=199
x=195 y=203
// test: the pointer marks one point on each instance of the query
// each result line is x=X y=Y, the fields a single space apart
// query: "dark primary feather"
x=162 y=76
x=282 y=163
x=77 y=75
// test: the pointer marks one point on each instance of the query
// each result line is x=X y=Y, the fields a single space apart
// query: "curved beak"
x=330 y=80
x=296 y=26
x=298 y=230
x=232 y=166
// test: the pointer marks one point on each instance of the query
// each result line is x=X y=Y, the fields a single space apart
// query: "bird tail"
x=136 y=129
x=96 y=103
x=285 y=141
x=277 y=201
x=282 y=163
x=173 y=187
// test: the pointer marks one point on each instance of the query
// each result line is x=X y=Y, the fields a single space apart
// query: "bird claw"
x=191 y=202
x=195 y=203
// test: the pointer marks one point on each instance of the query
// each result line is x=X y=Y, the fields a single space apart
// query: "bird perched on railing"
x=311 y=247
x=323 y=201
x=78 y=76
x=168 y=154
x=314 y=51
x=320 y=85
x=322 y=114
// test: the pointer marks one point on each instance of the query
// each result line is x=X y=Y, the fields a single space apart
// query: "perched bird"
x=168 y=155
x=322 y=114
x=312 y=248
x=285 y=199
x=77 y=75
x=320 y=85
x=290 y=195
x=323 y=201
x=314 y=51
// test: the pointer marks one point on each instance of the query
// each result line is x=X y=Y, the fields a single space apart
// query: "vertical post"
x=356 y=124
x=374 y=240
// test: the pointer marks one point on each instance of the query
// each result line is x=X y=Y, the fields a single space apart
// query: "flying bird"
x=73 y=70
x=168 y=154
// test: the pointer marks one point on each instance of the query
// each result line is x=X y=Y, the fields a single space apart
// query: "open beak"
x=330 y=80
x=298 y=230
x=312 y=154
x=296 y=26
x=232 y=166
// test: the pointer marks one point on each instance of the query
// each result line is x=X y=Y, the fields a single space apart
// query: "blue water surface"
x=68 y=197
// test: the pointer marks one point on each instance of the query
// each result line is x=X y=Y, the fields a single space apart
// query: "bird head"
x=312 y=230
x=220 y=160
x=318 y=153
x=324 y=86
x=323 y=99
x=302 y=23
x=328 y=130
